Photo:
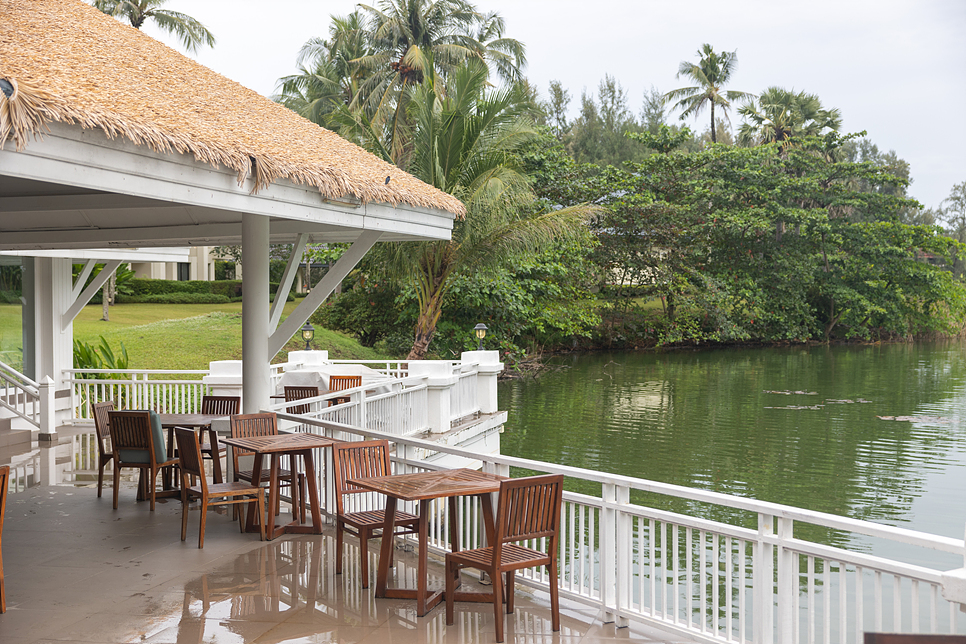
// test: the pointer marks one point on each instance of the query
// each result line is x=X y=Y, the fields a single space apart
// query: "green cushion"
x=160 y=444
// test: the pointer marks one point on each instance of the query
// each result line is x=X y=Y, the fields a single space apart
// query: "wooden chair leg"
x=339 y=538
x=100 y=477
x=117 y=477
x=364 y=536
x=3 y=592
x=554 y=597
x=497 y=579
x=184 y=512
x=204 y=515
x=452 y=573
x=152 y=484
x=261 y=513
x=509 y=592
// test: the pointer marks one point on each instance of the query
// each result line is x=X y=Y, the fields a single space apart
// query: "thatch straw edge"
x=29 y=109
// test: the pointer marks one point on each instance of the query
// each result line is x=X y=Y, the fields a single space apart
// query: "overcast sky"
x=895 y=68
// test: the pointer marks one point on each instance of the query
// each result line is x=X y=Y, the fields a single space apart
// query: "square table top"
x=421 y=486
x=280 y=442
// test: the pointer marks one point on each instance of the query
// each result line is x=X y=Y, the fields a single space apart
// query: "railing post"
x=787 y=582
x=48 y=420
x=763 y=575
x=439 y=381
x=608 y=552
x=489 y=367
x=623 y=554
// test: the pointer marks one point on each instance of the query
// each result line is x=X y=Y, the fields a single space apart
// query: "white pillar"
x=488 y=370
x=439 y=381
x=256 y=375
x=29 y=320
x=53 y=342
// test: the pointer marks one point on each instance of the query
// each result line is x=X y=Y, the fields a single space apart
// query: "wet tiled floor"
x=78 y=571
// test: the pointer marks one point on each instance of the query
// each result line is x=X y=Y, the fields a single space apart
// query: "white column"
x=488 y=370
x=439 y=381
x=29 y=320
x=53 y=340
x=256 y=376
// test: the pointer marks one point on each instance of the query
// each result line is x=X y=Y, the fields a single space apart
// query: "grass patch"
x=183 y=336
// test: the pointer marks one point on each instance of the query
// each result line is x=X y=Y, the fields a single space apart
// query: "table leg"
x=489 y=525
x=215 y=455
x=313 y=491
x=385 y=552
x=273 y=497
x=252 y=506
x=454 y=538
x=422 y=571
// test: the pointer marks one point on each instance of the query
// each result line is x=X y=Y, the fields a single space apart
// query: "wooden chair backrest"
x=102 y=423
x=298 y=393
x=338 y=383
x=358 y=459
x=248 y=425
x=189 y=453
x=131 y=430
x=225 y=405
x=529 y=508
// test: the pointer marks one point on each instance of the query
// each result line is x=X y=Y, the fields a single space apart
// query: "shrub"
x=174 y=298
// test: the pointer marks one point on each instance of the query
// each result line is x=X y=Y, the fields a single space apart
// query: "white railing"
x=401 y=411
x=749 y=578
x=463 y=395
x=163 y=390
x=19 y=394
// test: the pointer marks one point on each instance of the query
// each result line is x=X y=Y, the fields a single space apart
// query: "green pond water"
x=870 y=432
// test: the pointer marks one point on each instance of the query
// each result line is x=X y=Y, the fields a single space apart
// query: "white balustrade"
x=19 y=395
x=714 y=580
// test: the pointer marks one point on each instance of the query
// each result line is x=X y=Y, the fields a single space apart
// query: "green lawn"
x=174 y=336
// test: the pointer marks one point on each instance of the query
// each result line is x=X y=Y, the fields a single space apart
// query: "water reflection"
x=798 y=426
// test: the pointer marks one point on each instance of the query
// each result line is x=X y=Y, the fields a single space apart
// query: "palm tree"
x=465 y=141
x=412 y=39
x=192 y=33
x=711 y=73
x=780 y=114
x=328 y=76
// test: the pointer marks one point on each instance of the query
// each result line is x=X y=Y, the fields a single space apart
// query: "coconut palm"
x=465 y=141
x=780 y=114
x=711 y=73
x=327 y=76
x=192 y=33
x=412 y=39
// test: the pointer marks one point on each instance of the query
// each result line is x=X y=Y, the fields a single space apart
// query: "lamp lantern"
x=308 y=332
x=480 y=333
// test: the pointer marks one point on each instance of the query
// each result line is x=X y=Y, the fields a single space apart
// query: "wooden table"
x=295 y=445
x=424 y=487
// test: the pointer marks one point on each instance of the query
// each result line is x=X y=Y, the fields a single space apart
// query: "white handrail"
x=714 y=580
x=19 y=394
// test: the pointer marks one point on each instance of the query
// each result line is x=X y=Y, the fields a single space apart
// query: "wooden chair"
x=298 y=393
x=358 y=459
x=529 y=508
x=4 y=483
x=247 y=425
x=189 y=452
x=223 y=406
x=103 y=429
x=338 y=383
x=138 y=442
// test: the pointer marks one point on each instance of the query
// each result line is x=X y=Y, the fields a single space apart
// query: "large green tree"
x=193 y=34
x=466 y=141
x=710 y=74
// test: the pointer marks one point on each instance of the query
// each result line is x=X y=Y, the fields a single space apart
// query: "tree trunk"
x=105 y=291
x=714 y=139
x=426 y=327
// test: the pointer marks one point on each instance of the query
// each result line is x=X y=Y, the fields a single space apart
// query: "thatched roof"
x=69 y=62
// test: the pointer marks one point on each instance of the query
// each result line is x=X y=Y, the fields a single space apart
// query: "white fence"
x=750 y=578
x=19 y=394
x=165 y=391
x=397 y=406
